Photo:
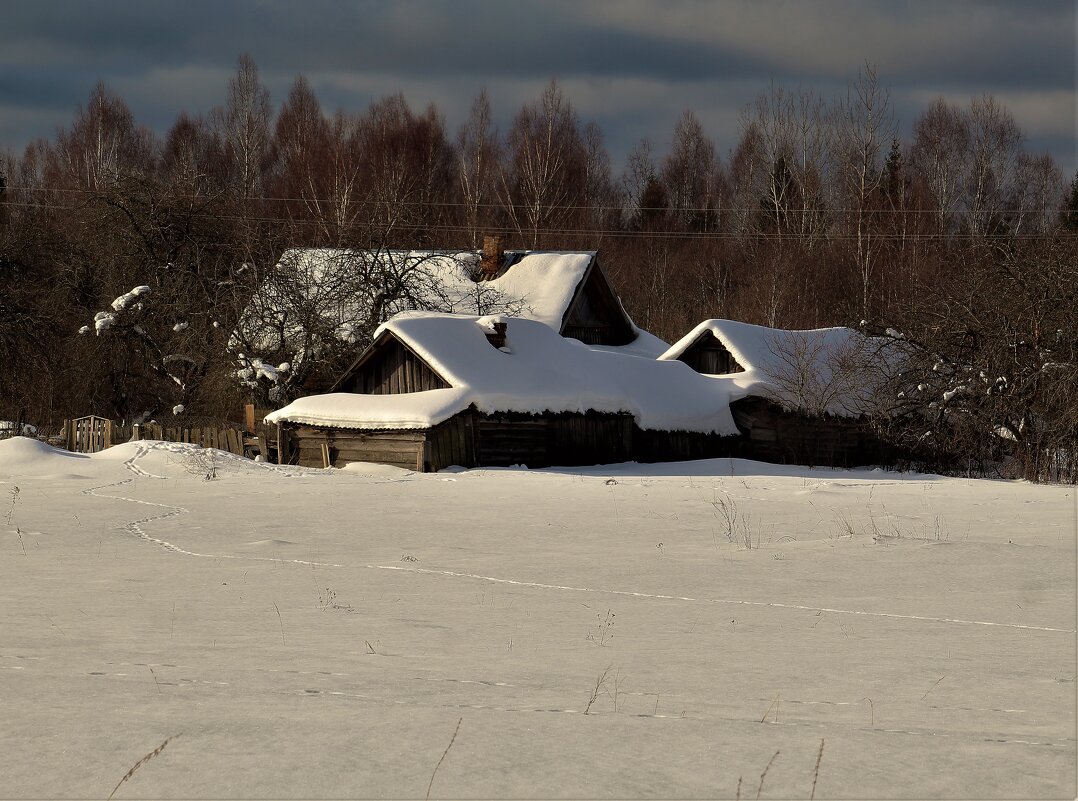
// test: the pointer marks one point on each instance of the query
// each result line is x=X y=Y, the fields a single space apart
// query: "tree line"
x=820 y=213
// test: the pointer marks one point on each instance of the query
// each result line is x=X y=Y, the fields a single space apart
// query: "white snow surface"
x=541 y=372
x=329 y=633
x=830 y=370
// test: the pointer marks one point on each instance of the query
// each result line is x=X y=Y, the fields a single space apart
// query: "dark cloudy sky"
x=631 y=65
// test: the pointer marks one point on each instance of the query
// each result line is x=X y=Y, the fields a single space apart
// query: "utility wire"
x=791 y=209
x=592 y=232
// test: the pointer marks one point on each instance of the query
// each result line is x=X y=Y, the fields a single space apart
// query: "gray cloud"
x=633 y=65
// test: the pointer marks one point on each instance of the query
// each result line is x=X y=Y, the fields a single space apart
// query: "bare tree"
x=407 y=168
x=1038 y=194
x=243 y=126
x=941 y=140
x=637 y=180
x=826 y=372
x=864 y=124
x=597 y=191
x=541 y=178
x=319 y=308
x=300 y=147
x=690 y=176
x=103 y=142
x=995 y=141
x=478 y=157
x=994 y=361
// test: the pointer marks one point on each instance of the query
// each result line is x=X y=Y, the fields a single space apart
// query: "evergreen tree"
x=1070 y=211
x=894 y=179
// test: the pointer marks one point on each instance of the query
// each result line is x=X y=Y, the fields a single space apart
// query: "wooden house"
x=436 y=390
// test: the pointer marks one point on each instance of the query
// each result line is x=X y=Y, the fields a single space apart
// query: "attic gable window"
x=709 y=356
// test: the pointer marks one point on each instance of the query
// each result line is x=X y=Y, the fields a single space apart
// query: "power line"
x=791 y=210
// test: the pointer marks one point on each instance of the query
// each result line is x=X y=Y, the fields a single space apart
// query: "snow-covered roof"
x=823 y=370
x=538 y=371
x=538 y=285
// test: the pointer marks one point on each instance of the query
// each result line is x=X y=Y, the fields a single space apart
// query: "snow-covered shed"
x=435 y=390
x=805 y=396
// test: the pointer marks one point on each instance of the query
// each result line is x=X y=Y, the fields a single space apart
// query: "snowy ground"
x=313 y=633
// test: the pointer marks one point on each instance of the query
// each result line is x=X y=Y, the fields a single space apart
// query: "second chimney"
x=492 y=257
x=496 y=334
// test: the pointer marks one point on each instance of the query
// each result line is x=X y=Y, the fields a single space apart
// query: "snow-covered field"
x=594 y=633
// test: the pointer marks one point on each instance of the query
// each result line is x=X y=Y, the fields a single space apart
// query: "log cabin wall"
x=309 y=446
x=565 y=439
x=773 y=434
x=678 y=446
x=470 y=439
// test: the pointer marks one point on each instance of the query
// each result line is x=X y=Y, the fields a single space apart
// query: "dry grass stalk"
x=451 y=740
x=14 y=497
x=768 y=710
x=763 y=775
x=280 y=620
x=934 y=686
x=736 y=523
x=140 y=763
x=600 y=681
x=816 y=772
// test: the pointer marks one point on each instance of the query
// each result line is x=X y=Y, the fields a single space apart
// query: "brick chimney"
x=492 y=257
x=496 y=336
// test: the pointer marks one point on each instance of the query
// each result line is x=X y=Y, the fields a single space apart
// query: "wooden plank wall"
x=453 y=442
x=393 y=370
x=471 y=439
x=708 y=355
x=561 y=439
x=398 y=448
x=596 y=316
x=591 y=439
x=679 y=446
x=773 y=434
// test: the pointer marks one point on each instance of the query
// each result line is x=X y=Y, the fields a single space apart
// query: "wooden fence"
x=92 y=434
x=226 y=439
x=88 y=434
